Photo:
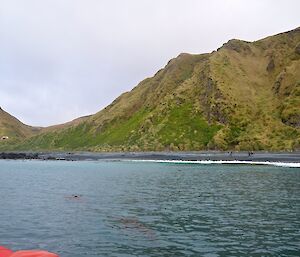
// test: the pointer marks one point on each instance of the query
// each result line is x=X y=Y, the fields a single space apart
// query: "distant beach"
x=286 y=157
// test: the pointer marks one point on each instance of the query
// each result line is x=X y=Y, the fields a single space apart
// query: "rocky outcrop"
x=297 y=49
x=18 y=156
x=239 y=46
x=271 y=65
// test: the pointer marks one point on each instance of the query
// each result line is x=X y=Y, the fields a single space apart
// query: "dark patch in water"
x=135 y=224
x=74 y=197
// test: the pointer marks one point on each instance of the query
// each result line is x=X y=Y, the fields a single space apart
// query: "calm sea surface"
x=149 y=209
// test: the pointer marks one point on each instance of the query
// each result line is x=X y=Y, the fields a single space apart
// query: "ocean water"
x=149 y=209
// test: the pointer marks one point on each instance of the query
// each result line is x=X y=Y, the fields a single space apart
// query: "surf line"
x=278 y=164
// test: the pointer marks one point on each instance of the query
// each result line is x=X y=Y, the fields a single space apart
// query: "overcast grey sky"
x=60 y=59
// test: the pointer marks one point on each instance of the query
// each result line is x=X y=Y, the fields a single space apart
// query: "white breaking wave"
x=279 y=164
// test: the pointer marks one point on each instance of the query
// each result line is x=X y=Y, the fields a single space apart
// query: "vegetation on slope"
x=245 y=96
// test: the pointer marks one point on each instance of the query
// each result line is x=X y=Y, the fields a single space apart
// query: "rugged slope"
x=244 y=96
x=13 y=128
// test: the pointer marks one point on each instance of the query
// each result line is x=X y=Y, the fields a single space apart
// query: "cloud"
x=61 y=59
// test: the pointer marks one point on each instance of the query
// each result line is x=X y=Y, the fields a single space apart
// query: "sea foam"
x=279 y=164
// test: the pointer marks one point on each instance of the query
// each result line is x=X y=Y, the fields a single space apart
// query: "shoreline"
x=289 y=157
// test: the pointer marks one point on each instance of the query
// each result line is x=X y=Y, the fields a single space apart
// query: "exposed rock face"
x=238 y=46
x=271 y=65
x=277 y=83
x=293 y=119
x=297 y=49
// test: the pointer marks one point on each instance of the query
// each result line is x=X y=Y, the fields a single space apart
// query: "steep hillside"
x=11 y=129
x=244 y=96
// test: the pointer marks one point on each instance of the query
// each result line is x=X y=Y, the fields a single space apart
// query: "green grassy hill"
x=244 y=96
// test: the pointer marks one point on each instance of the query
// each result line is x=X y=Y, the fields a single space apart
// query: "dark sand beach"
x=290 y=157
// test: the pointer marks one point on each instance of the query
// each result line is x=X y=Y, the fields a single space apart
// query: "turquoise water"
x=149 y=209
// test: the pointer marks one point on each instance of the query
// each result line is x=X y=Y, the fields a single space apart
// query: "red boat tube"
x=4 y=252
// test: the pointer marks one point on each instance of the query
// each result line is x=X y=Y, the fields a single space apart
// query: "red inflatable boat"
x=4 y=252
